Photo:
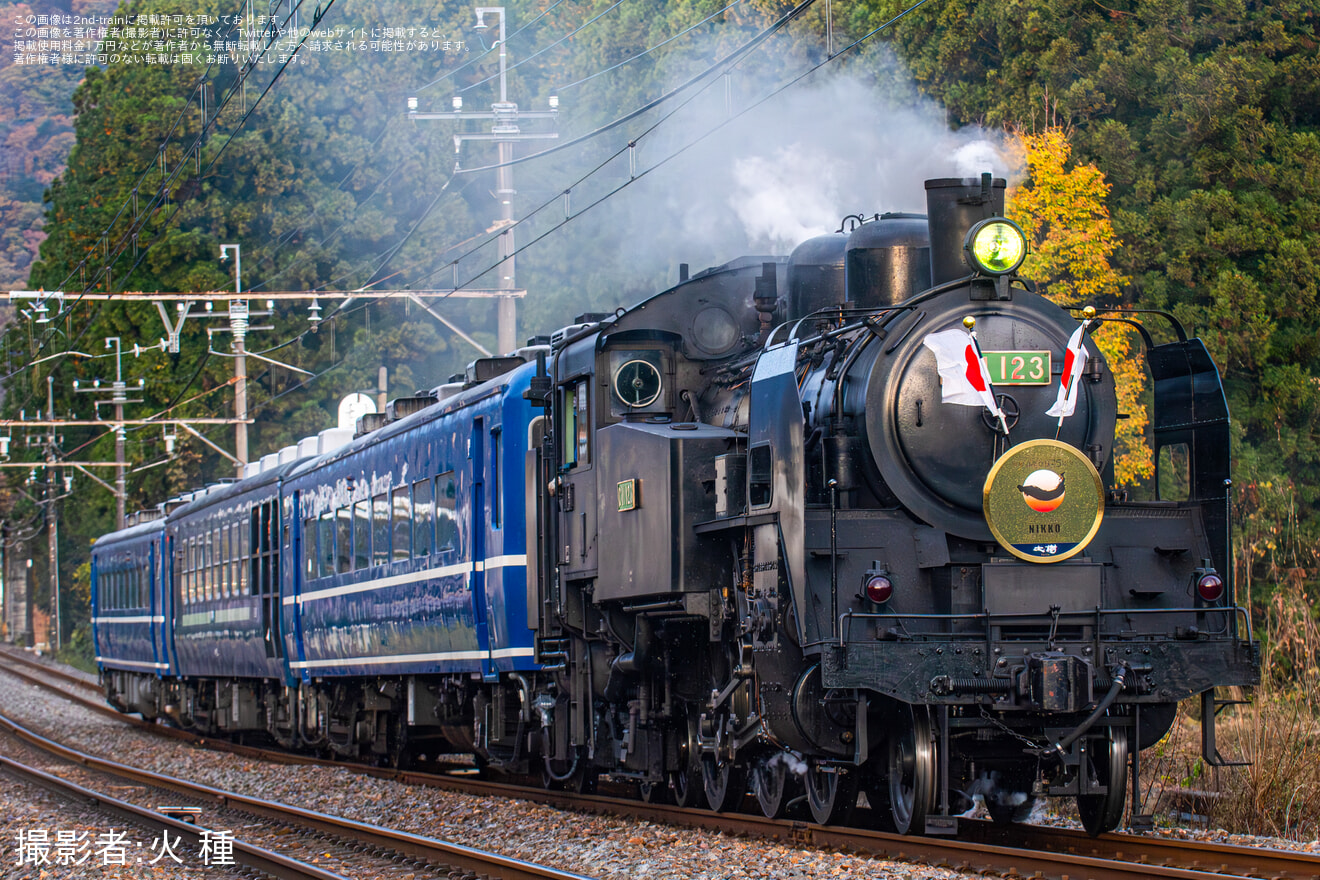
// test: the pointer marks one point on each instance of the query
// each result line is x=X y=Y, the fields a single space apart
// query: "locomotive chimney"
x=954 y=206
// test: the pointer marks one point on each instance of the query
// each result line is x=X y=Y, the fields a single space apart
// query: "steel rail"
x=52 y=671
x=1222 y=858
x=416 y=846
x=245 y=854
x=1061 y=850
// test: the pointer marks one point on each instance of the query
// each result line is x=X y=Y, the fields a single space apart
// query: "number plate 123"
x=1018 y=367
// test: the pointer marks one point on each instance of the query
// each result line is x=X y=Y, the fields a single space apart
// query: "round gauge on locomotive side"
x=637 y=383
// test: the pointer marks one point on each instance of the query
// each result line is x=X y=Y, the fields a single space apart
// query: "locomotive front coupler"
x=1061 y=745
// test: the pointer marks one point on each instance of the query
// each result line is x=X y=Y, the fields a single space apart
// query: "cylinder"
x=954 y=206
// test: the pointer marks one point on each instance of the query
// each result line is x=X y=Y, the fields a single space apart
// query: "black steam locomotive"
x=804 y=526
x=772 y=550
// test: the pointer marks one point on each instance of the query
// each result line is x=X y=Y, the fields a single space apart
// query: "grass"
x=1278 y=793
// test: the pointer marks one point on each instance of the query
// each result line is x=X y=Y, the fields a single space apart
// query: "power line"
x=557 y=42
x=485 y=51
x=121 y=246
x=636 y=177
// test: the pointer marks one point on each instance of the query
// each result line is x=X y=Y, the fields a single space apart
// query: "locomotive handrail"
x=889 y=311
x=1177 y=325
x=845 y=617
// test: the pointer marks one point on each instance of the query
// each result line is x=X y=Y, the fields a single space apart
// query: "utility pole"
x=238 y=323
x=52 y=519
x=118 y=397
x=504 y=131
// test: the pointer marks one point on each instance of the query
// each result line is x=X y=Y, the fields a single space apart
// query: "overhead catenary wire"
x=283 y=271
x=709 y=72
x=121 y=247
x=625 y=184
x=665 y=160
x=485 y=52
x=545 y=49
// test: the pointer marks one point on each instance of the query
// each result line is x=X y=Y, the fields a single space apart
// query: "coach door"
x=477 y=453
x=156 y=605
x=264 y=573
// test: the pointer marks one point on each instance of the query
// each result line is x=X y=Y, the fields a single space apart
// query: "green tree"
x=1205 y=121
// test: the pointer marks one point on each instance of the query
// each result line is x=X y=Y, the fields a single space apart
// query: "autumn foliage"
x=1062 y=209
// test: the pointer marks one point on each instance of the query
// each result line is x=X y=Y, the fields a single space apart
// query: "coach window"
x=326 y=539
x=422 y=518
x=220 y=559
x=215 y=562
x=226 y=557
x=446 y=528
x=244 y=550
x=185 y=569
x=270 y=548
x=309 y=548
x=344 y=540
x=180 y=584
x=253 y=547
x=196 y=548
x=402 y=524
x=235 y=557
x=204 y=565
x=208 y=563
x=380 y=529
x=207 y=555
x=361 y=535
x=496 y=465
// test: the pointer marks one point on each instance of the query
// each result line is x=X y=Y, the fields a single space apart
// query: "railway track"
x=243 y=853
x=359 y=843
x=983 y=847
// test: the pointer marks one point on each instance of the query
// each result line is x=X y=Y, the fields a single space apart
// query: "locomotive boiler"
x=796 y=529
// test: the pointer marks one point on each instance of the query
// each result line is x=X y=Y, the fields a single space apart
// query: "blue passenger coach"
x=411 y=565
x=351 y=600
x=129 y=611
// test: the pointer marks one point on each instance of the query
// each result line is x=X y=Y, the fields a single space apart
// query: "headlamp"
x=995 y=247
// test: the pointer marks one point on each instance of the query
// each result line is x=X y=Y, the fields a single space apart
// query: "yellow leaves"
x=1064 y=214
x=1062 y=209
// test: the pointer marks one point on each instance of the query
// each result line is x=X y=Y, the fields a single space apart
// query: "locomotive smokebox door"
x=656 y=481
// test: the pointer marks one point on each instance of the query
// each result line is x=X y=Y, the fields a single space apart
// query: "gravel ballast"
x=599 y=846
